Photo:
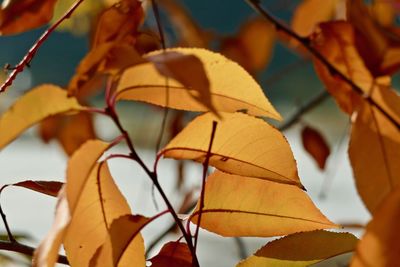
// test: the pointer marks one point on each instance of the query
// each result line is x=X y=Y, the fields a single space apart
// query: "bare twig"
x=32 y=51
x=305 y=42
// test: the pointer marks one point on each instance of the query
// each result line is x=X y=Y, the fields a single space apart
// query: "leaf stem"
x=26 y=60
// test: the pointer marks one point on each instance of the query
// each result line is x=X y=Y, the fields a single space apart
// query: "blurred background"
x=287 y=78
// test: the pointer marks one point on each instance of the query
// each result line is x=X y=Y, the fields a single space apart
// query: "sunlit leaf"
x=302 y=249
x=315 y=144
x=100 y=203
x=51 y=188
x=336 y=42
x=173 y=254
x=36 y=105
x=375 y=147
x=242 y=145
x=231 y=87
x=122 y=246
x=380 y=247
x=241 y=206
x=22 y=15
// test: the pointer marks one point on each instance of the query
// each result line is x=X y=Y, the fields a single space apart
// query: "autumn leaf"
x=36 y=105
x=22 y=15
x=314 y=143
x=100 y=203
x=121 y=246
x=336 y=42
x=302 y=249
x=242 y=145
x=253 y=46
x=230 y=86
x=380 y=245
x=241 y=206
x=375 y=147
x=173 y=254
x=51 y=188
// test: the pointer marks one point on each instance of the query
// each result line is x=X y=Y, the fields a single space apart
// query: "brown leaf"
x=173 y=254
x=22 y=15
x=314 y=143
x=379 y=246
x=241 y=206
x=302 y=249
x=51 y=188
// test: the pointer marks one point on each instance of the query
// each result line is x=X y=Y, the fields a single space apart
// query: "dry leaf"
x=336 y=42
x=18 y=16
x=380 y=247
x=51 y=188
x=314 y=143
x=231 y=87
x=36 y=105
x=375 y=147
x=242 y=145
x=302 y=249
x=173 y=254
x=241 y=206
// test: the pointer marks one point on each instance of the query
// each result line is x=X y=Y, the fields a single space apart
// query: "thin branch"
x=203 y=184
x=308 y=106
x=32 y=51
x=27 y=250
x=305 y=42
x=241 y=247
x=4 y=218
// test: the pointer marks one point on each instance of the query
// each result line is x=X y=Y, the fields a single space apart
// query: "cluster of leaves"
x=255 y=189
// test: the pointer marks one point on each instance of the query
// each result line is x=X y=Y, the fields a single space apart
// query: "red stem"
x=32 y=51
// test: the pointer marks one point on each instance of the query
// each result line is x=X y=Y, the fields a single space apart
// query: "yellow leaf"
x=34 y=106
x=242 y=145
x=122 y=244
x=100 y=203
x=302 y=249
x=336 y=42
x=310 y=13
x=231 y=87
x=375 y=147
x=380 y=247
x=241 y=206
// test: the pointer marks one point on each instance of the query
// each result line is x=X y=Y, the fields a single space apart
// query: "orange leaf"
x=121 y=246
x=230 y=86
x=314 y=143
x=173 y=254
x=302 y=249
x=241 y=206
x=22 y=15
x=380 y=247
x=242 y=145
x=51 y=188
x=375 y=147
x=36 y=105
x=336 y=42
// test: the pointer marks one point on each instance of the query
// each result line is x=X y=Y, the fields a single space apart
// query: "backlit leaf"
x=100 y=203
x=302 y=249
x=241 y=206
x=242 y=145
x=314 y=143
x=173 y=254
x=22 y=15
x=230 y=86
x=375 y=147
x=336 y=42
x=380 y=247
x=34 y=106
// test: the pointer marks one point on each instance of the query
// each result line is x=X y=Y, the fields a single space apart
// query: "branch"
x=27 y=250
x=32 y=51
x=305 y=42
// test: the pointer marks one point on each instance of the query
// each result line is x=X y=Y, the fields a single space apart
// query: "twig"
x=241 y=248
x=4 y=218
x=203 y=184
x=308 y=106
x=306 y=44
x=27 y=250
x=32 y=51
